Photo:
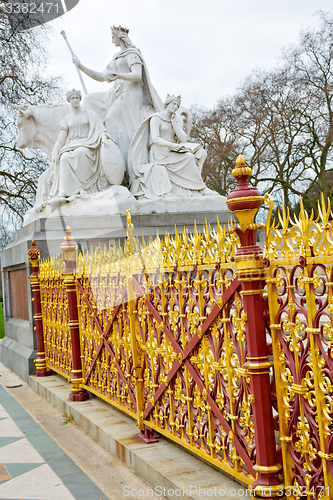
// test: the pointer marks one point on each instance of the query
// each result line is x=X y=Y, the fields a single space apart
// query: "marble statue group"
x=94 y=141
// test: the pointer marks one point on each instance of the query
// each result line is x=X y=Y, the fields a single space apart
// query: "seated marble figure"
x=164 y=163
x=79 y=164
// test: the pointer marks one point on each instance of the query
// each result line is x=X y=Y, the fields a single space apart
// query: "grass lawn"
x=2 y=322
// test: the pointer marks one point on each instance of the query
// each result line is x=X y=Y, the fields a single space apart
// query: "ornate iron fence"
x=54 y=306
x=162 y=337
x=299 y=259
x=175 y=332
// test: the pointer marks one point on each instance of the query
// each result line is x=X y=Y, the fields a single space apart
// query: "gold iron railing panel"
x=200 y=397
x=299 y=255
x=163 y=332
x=58 y=352
x=129 y=297
x=162 y=337
x=106 y=348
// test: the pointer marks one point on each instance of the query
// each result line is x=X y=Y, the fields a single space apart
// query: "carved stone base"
x=113 y=201
x=117 y=199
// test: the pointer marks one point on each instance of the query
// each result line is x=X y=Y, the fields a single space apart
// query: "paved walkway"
x=32 y=466
x=42 y=460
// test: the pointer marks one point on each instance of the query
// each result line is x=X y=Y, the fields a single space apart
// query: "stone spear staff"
x=77 y=68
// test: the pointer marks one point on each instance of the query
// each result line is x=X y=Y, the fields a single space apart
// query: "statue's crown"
x=170 y=98
x=72 y=92
x=119 y=29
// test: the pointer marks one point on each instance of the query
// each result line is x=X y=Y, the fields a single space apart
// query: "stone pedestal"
x=18 y=348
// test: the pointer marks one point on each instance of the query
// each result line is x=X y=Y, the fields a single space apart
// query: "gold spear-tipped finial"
x=240 y=160
x=130 y=233
x=128 y=217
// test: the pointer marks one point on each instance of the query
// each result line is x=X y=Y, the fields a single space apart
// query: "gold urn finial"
x=241 y=169
x=68 y=234
x=245 y=200
x=68 y=248
x=240 y=160
x=34 y=254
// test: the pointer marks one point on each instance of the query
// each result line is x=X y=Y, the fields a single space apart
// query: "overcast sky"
x=201 y=49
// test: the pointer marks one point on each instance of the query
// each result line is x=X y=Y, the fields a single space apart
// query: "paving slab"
x=41 y=459
x=167 y=468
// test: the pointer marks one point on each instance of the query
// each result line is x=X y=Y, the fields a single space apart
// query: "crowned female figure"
x=132 y=98
x=163 y=162
x=76 y=155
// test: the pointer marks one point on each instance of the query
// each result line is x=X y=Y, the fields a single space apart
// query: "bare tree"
x=213 y=130
x=23 y=80
x=311 y=64
x=281 y=120
x=272 y=123
x=263 y=121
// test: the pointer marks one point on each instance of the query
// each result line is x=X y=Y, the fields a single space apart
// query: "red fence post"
x=68 y=248
x=40 y=362
x=244 y=202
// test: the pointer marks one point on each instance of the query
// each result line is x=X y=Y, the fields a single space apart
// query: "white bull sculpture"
x=38 y=128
